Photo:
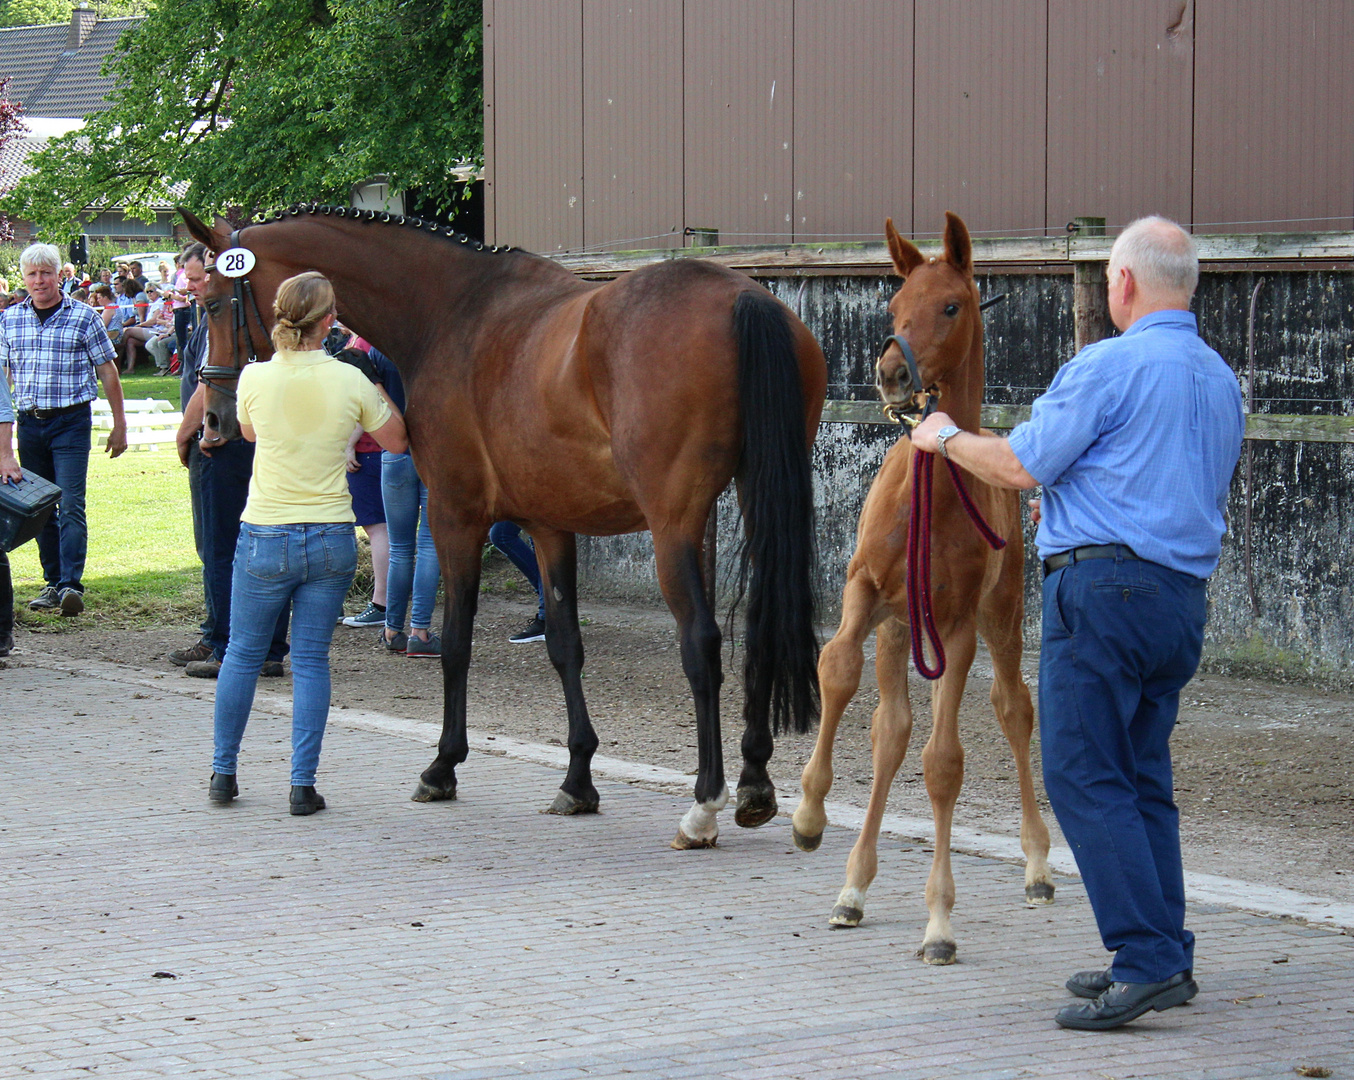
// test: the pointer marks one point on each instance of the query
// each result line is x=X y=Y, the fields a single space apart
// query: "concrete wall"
x=1301 y=493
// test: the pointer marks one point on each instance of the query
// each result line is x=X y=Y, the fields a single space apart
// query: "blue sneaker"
x=417 y=647
x=372 y=616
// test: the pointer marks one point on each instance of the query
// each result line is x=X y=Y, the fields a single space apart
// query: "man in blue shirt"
x=1135 y=444
x=54 y=347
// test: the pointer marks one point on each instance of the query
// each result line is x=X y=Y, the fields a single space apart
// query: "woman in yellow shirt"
x=296 y=534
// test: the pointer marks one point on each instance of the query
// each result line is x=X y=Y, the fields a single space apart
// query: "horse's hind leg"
x=681 y=579
x=890 y=732
x=458 y=552
x=1015 y=713
x=558 y=555
x=839 y=668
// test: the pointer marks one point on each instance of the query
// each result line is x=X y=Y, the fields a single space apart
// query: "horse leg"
x=839 y=668
x=890 y=732
x=458 y=552
x=682 y=581
x=558 y=556
x=943 y=768
x=1015 y=713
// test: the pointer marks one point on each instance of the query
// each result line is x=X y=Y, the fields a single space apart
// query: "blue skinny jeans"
x=413 y=557
x=312 y=566
x=507 y=537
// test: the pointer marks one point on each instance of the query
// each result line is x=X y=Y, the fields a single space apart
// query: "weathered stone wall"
x=1301 y=494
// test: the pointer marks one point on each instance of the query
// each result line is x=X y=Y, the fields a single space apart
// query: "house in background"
x=54 y=73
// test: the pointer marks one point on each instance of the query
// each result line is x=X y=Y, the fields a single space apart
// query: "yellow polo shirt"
x=303 y=406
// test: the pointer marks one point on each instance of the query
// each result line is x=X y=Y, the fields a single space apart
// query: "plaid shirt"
x=53 y=363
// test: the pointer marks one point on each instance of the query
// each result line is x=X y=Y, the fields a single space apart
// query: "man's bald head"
x=1161 y=257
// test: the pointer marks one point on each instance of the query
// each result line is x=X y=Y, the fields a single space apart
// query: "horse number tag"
x=235 y=262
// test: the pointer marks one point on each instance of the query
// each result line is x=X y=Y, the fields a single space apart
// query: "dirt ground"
x=1263 y=772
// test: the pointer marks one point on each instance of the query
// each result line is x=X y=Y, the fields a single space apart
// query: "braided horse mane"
x=383 y=217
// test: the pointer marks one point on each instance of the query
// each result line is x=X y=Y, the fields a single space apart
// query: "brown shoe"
x=199 y=650
x=203 y=669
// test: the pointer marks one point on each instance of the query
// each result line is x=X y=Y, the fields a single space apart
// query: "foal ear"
x=958 y=246
x=904 y=253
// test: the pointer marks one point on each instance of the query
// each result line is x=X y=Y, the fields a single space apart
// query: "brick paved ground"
x=484 y=939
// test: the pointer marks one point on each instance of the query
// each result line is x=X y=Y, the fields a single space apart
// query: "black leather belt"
x=1091 y=551
x=47 y=414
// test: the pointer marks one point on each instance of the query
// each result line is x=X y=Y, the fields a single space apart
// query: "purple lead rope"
x=920 y=617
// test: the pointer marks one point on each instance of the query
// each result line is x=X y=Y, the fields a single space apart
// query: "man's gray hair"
x=39 y=255
x=1161 y=255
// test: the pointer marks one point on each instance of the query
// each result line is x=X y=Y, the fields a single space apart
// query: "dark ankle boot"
x=223 y=788
x=305 y=801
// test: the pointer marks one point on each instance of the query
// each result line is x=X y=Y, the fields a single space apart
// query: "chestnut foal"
x=976 y=590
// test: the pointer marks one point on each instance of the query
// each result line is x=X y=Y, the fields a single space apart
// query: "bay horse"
x=571 y=407
x=976 y=591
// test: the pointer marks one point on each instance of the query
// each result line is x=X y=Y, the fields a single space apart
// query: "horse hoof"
x=938 y=953
x=756 y=806
x=805 y=843
x=425 y=792
x=1041 y=892
x=566 y=805
x=845 y=915
x=682 y=842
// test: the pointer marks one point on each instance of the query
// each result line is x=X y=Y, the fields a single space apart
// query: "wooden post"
x=711 y=552
x=1090 y=303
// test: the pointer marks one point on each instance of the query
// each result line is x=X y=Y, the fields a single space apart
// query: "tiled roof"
x=14 y=160
x=49 y=80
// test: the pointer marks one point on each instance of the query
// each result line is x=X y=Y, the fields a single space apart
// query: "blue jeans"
x=413 y=558
x=196 y=460
x=310 y=566
x=1121 y=638
x=507 y=537
x=224 y=486
x=58 y=450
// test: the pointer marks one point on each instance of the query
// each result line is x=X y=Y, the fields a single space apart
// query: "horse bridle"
x=924 y=399
x=214 y=374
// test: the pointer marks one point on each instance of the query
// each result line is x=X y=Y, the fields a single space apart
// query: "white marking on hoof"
x=700 y=825
x=850 y=907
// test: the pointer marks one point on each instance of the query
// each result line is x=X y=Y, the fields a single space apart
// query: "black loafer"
x=1123 y=1002
x=223 y=787
x=1090 y=984
x=305 y=801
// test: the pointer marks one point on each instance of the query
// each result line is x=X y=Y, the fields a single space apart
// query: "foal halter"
x=923 y=401
x=214 y=374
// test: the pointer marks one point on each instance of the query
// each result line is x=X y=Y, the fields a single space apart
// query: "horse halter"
x=923 y=401
x=214 y=374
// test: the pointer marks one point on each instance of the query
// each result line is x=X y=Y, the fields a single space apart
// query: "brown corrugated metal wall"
x=739 y=98
x=852 y=136
x=1274 y=114
x=618 y=123
x=632 y=124
x=1119 y=84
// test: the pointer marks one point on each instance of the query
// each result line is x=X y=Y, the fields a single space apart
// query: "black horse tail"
x=778 y=556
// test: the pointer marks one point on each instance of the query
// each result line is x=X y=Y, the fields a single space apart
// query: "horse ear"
x=958 y=246
x=904 y=253
x=215 y=239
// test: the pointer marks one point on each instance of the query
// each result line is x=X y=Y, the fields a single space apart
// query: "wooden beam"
x=1047 y=251
x=1262 y=427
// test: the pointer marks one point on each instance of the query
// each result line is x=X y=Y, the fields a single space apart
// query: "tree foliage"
x=37 y=12
x=11 y=127
x=254 y=104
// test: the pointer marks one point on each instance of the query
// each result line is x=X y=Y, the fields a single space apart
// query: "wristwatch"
x=949 y=431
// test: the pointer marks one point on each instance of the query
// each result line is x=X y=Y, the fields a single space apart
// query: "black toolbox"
x=25 y=508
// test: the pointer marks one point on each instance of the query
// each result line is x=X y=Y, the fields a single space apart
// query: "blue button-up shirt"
x=53 y=363
x=1135 y=443
x=6 y=402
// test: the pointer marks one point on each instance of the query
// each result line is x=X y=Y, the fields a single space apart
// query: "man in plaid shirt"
x=52 y=347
